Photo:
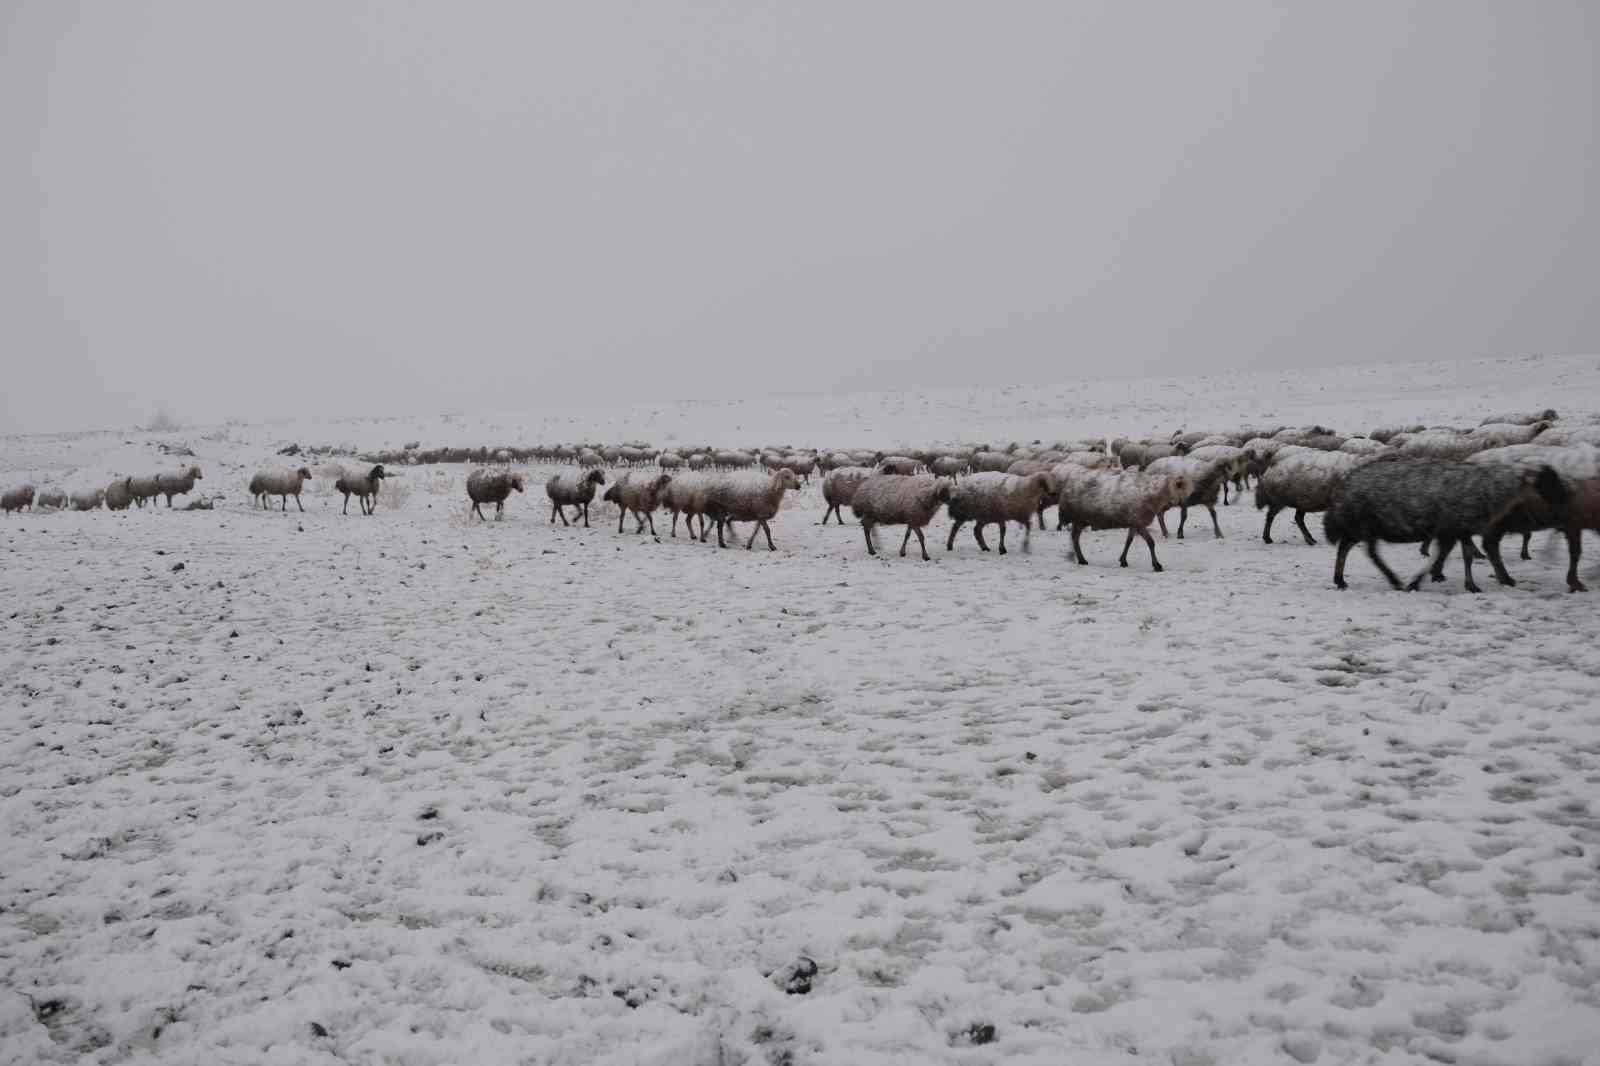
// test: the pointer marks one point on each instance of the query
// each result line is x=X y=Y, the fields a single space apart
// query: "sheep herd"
x=1437 y=486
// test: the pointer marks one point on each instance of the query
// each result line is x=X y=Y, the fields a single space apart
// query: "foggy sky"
x=261 y=210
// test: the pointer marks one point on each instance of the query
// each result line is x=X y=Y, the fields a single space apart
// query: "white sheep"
x=999 y=498
x=950 y=465
x=899 y=464
x=748 y=497
x=572 y=490
x=640 y=494
x=119 y=494
x=364 y=487
x=493 y=486
x=1131 y=500
x=144 y=488
x=899 y=500
x=687 y=495
x=88 y=501
x=839 y=488
x=279 y=481
x=19 y=498
x=51 y=500
x=179 y=484
x=1304 y=479
x=1521 y=418
x=1206 y=478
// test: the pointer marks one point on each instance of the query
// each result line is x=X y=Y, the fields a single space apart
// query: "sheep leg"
x=977 y=535
x=1077 y=547
x=1224 y=492
x=1215 y=528
x=297 y=503
x=771 y=547
x=1155 y=564
x=1468 y=553
x=586 y=516
x=1300 y=520
x=622 y=514
x=866 y=531
x=652 y=520
x=1027 y=533
x=478 y=512
x=1183 y=517
x=346 y=504
x=1162 y=519
x=1574 y=553
x=1526 y=537
x=924 y=544
x=1266 y=530
x=1491 y=548
x=905 y=543
x=1436 y=567
x=1377 y=560
x=955 y=527
x=720 y=523
x=1338 y=563
x=1003 y=538
x=638 y=524
x=1123 y=558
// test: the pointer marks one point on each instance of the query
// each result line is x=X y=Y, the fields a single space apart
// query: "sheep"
x=1002 y=498
x=144 y=488
x=1304 y=479
x=990 y=461
x=1135 y=456
x=839 y=488
x=178 y=484
x=279 y=482
x=1206 y=478
x=572 y=490
x=119 y=494
x=51 y=499
x=17 y=499
x=1408 y=500
x=1522 y=418
x=364 y=487
x=1569 y=435
x=669 y=461
x=687 y=494
x=747 y=498
x=1513 y=432
x=1131 y=500
x=1579 y=469
x=493 y=486
x=639 y=494
x=1234 y=458
x=949 y=466
x=88 y=501
x=1363 y=446
x=899 y=500
x=899 y=464
x=1448 y=445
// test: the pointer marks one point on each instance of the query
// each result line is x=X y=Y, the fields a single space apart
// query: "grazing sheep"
x=572 y=490
x=88 y=501
x=179 y=484
x=1579 y=469
x=144 y=488
x=1131 y=500
x=747 y=498
x=119 y=494
x=17 y=499
x=687 y=494
x=364 y=487
x=641 y=495
x=1002 y=498
x=1206 y=478
x=1410 y=500
x=51 y=500
x=493 y=486
x=839 y=488
x=899 y=500
x=1305 y=480
x=1521 y=418
x=949 y=465
x=279 y=482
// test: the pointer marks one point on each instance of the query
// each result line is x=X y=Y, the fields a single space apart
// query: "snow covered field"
x=418 y=789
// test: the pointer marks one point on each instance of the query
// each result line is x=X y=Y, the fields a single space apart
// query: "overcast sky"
x=266 y=209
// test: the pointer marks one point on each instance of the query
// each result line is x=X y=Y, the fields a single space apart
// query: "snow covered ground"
x=418 y=789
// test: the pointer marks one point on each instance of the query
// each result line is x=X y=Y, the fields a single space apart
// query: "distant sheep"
x=899 y=464
x=179 y=484
x=1411 y=500
x=839 y=488
x=1131 y=500
x=1304 y=480
x=88 y=501
x=998 y=498
x=748 y=498
x=279 y=482
x=1136 y=456
x=493 y=486
x=19 y=498
x=949 y=465
x=144 y=488
x=1522 y=418
x=572 y=490
x=364 y=487
x=51 y=500
x=899 y=500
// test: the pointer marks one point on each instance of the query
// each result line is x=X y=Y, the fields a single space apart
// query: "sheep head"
x=519 y=482
x=594 y=477
x=1179 y=489
x=1547 y=484
x=943 y=491
x=303 y=474
x=661 y=482
x=377 y=473
x=785 y=479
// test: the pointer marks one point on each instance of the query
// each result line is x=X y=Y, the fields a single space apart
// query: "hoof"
x=1002 y=551
x=1474 y=589
x=1340 y=585
x=1577 y=586
x=1123 y=563
x=1158 y=568
x=1437 y=577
